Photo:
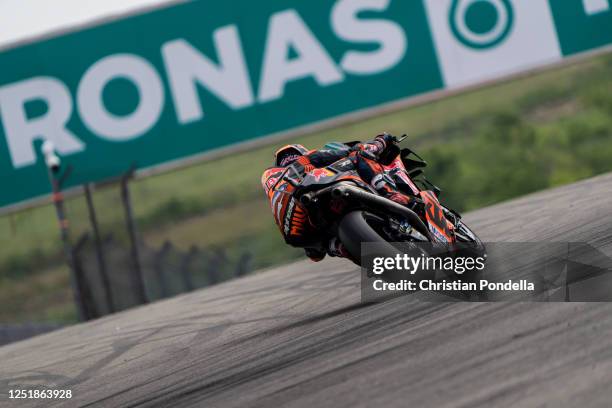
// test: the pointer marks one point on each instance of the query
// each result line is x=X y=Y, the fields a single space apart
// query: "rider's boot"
x=333 y=248
x=315 y=254
x=336 y=248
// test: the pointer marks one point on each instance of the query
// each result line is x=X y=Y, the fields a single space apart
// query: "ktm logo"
x=435 y=216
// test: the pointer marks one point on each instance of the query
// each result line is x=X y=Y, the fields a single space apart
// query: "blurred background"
x=533 y=133
x=210 y=221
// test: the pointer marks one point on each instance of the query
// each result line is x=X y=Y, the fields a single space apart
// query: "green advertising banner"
x=184 y=80
x=582 y=25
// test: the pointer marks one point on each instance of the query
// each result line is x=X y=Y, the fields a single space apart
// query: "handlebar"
x=400 y=139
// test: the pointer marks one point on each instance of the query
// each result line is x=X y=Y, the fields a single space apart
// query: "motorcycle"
x=341 y=204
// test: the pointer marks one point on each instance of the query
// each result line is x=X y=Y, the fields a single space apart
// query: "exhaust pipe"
x=383 y=204
x=339 y=192
x=306 y=199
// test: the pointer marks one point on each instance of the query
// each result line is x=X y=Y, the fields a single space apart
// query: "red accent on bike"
x=441 y=228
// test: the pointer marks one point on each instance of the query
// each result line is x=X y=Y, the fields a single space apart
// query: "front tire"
x=467 y=236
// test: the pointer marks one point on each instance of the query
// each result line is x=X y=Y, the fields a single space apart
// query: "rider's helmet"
x=288 y=154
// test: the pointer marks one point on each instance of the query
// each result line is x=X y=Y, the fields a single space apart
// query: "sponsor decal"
x=343 y=165
x=438 y=224
x=269 y=178
x=318 y=173
x=478 y=40
x=436 y=233
x=288 y=216
x=480 y=23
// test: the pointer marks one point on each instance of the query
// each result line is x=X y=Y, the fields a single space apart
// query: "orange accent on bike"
x=435 y=216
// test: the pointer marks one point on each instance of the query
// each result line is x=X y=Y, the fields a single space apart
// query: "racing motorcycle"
x=341 y=204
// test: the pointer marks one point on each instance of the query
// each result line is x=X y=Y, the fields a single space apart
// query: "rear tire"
x=354 y=229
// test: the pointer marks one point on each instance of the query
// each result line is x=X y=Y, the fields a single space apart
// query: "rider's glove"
x=386 y=138
x=304 y=165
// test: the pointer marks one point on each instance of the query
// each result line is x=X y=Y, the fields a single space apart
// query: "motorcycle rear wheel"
x=357 y=227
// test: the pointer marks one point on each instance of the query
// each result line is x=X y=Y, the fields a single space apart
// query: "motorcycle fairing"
x=270 y=178
x=343 y=170
x=440 y=227
x=398 y=171
x=323 y=177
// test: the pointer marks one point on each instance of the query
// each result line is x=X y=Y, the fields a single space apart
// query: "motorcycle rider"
x=290 y=215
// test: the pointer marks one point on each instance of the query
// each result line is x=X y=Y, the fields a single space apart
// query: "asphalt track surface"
x=298 y=336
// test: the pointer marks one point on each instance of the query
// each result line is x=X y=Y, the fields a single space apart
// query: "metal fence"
x=112 y=271
x=120 y=281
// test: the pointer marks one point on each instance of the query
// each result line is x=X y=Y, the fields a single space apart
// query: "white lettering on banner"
x=287 y=31
x=21 y=131
x=478 y=40
x=91 y=104
x=389 y=35
x=186 y=67
x=596 y=6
